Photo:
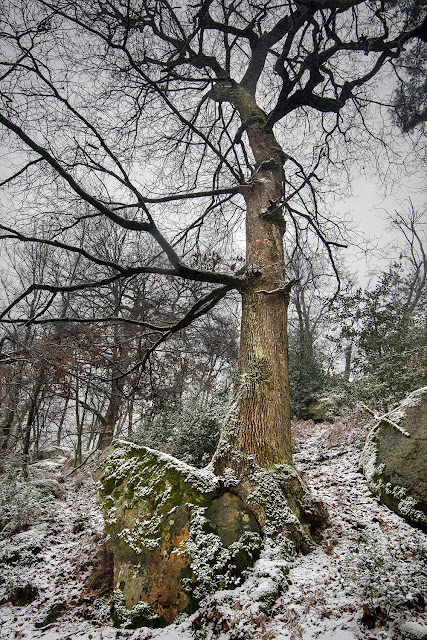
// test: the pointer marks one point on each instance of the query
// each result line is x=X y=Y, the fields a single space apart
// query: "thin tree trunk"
x=348 y=354
x=79 y=427
x=12 y=410
x=300 y=347
x=62 y=419
x=130 y=418
x=111 y=417
x=26 y=436
x=7 y=427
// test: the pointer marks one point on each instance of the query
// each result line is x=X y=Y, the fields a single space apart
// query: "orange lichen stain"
x=167 y=596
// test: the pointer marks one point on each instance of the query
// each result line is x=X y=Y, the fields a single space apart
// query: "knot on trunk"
x=283 y=289
x=222 y=91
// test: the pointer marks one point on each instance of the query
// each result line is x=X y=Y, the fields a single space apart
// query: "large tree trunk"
x=259 y=427
x=256 y=440
x=263 y=425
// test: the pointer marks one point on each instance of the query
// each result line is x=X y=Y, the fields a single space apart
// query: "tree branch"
x=200 y=308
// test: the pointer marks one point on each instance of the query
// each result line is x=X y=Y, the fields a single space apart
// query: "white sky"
x=369 y=207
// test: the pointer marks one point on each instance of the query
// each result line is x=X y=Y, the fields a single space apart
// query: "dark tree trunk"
x=7 y=427
x=26 y=435
x=79 y=427
x=62 y=420
x=111 y=416
x=12 y=415
x=348 y=354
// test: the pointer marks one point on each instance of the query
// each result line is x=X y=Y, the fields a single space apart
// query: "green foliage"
x=308 y=317
x=306 y=375
x=390 y=336
x=187 y=428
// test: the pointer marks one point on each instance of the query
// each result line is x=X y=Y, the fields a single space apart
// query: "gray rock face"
x=413 y=630
x=394 y=459
x=54 y=452
x=319 y=410
x=228 y=517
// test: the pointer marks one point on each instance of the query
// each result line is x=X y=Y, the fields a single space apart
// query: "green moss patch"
x=174 y=532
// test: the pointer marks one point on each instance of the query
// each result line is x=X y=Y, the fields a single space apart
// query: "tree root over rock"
x=178 y=533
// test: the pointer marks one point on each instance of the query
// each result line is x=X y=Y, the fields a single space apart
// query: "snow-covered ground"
x=366 y=580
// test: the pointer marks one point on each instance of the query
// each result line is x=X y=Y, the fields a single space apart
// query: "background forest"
x=61 y=385
x=181 y=269
x=169 y=167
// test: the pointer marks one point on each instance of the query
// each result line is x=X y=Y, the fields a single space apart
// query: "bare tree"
x=411 y=224
x=173 y=120
x=409 y=99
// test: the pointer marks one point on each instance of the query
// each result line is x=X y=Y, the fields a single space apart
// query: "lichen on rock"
x=175 y=532
x=394 y=460
x=142 y=614
x=178 y=533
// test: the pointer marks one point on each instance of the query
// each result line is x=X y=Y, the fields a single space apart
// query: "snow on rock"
x=394 y=458
x=413 y=631
x=175 y=536
x=367 y=579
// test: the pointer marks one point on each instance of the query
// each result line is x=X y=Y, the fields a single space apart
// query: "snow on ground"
x=367 y=576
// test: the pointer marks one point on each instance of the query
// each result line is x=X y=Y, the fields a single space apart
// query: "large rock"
x=178 y=533
x=175 y=533
x=394 y=459
x=319 y=410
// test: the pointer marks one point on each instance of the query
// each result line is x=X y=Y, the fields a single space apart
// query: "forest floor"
x=367 y=580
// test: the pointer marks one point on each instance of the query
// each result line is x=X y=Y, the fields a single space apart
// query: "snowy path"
x=370 y=558
x=369 y=572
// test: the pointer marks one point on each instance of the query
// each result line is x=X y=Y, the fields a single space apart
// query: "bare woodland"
x=163 y=161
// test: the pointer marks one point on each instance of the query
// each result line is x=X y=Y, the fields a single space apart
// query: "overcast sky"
x=369 y=207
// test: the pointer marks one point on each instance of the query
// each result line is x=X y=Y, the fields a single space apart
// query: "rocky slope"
x=366 y=580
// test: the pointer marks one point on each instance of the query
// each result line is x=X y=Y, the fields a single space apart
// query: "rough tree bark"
x=34 y=403
x=111 y=417
x=261 y=422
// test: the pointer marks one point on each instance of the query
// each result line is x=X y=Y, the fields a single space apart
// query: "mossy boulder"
x=175 y=532
x=51 y=613
x=321 y=409
x=394 y=459
x=54 y=452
